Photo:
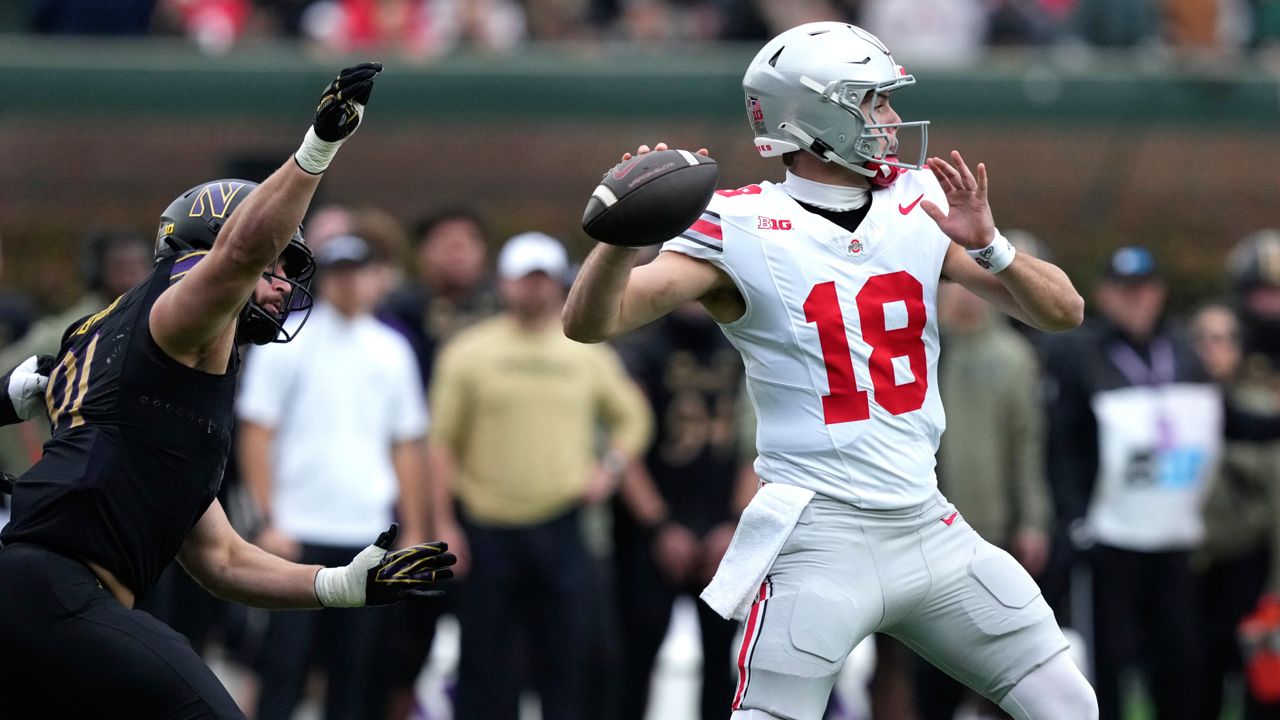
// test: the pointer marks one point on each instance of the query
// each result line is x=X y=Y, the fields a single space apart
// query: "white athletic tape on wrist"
x=314 y=155
x=995 y=257
x=344 y=586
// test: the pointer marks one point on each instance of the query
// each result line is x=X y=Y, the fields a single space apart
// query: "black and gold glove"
x=380 y=576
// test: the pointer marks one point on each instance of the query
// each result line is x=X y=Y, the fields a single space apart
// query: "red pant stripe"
x=749 y=637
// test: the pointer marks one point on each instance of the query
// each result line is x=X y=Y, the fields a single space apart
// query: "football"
x=650 y=198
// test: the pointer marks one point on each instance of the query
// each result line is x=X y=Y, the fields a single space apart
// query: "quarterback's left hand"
x=26 y=385
x=380 y=576
x=967 y=220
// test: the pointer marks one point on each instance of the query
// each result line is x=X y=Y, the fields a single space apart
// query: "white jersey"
x=839 y=338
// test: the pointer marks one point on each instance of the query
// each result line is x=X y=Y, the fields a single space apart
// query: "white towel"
x=764 y=528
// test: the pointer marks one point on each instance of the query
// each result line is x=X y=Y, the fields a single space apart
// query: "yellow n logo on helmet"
x=215 y=199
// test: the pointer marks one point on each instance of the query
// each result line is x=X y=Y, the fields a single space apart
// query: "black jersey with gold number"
x=139 y=443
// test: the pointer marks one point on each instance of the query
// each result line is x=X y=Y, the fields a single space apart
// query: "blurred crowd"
x=1132 y=466
x=916 y=30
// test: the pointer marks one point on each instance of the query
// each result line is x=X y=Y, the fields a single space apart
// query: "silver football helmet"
x=806 y=90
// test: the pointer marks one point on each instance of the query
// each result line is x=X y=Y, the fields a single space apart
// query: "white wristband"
x=344 y=586
x=314 y=155
x=995 y=257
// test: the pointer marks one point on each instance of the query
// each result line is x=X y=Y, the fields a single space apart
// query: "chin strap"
x=879 y=174
x=822 y=150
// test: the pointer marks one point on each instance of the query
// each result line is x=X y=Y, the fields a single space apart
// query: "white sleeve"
x=703 y=240
x=264 y=382
x=409 y=418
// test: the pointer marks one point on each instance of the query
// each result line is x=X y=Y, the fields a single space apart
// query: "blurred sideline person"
x=996 y=480
x=450 y=288
x=516 y=408
x=833 y=308
x=112 y=262
x=1141 y=425
x=140 y=400
x=1254 y=267
x=678 y=508
x=388 y=241
x=332 y=446
x=17 y=311
x=1238 y=561
x=990 y=374
x=328 y=221
x=1233 y=560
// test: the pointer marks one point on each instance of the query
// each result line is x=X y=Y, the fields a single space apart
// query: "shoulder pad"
x=745 y=200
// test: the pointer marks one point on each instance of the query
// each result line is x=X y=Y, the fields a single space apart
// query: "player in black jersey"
x=140 y=403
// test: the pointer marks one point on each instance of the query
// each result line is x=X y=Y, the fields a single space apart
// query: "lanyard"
x=1137 y=372
x=1159 y=372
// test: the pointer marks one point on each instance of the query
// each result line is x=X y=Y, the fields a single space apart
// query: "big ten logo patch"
x=701 y=413
x=767 y=223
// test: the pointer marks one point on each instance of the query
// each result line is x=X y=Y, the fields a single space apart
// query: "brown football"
x=650 y=198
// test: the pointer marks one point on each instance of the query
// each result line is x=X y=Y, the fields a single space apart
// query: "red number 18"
x=846 y=403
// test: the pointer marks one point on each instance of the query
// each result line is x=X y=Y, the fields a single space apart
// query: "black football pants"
x=340 y=639
x=1145 y=615
x=645 y=601
x=70 y=649
x=526 y=585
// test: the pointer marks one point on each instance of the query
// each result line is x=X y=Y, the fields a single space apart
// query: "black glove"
x=6 y=482
x=338 y=114
x=408 y=574
x=378 y=576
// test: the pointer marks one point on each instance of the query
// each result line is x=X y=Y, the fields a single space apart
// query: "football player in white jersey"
x=827 y=285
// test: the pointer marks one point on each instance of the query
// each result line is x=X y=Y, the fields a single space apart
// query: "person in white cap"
x=516 y=407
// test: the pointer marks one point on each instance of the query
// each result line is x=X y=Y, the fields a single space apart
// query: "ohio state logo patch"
x=855 y=247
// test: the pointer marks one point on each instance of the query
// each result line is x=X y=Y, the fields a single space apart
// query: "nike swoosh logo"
x=622 y=171
x=904 y=209
x=948 y=520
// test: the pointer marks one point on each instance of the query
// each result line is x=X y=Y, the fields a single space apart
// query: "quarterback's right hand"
x=645 y=149
x=342 y=105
